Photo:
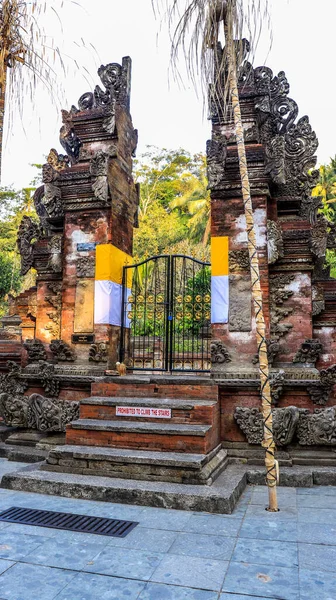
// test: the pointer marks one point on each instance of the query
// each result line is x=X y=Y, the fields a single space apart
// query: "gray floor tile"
x=86 y=586
x=64 y=554
x=317 y=501
x=286 y=498
x=262 y=580
x=31 y=530
x=30 y=582
x=270 y=529
x=317 y=533
x=255 y=511
x=160 y=518
x=266 y=552
x=4 y=565
x=115 y=511
x=316 y=515
x=158 y=591
x=317 y=558
x=316 y=585
x=324 y=490
x=124 y=562
x=190 y=571
x=213 y=525
x=16 y=546
x=240 y=597
x=141 y=538
x=209 y=546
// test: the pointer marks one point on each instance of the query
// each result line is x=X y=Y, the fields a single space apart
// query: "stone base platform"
x=172 y=467
x=220 y=497
x=288 y=456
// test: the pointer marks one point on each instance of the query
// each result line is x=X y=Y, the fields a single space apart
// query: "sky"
x=168 y=114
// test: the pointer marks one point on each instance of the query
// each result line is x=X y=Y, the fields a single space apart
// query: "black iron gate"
x=166 y=314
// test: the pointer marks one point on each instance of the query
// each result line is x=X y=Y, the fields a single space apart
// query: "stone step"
x=182 y=410
x=220 y=497
x=134 y=434
x=26 y=454
x=176 y=467
x=157 y=386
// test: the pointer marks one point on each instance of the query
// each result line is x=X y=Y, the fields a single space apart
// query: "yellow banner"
x=219 y=255
x=110 y=262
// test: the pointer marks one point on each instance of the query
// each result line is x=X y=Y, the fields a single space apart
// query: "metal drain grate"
x=68 y=521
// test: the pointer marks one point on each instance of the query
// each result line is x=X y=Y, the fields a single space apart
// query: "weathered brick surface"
x=154 y=390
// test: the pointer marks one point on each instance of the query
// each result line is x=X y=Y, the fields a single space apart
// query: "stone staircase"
x=141 y=444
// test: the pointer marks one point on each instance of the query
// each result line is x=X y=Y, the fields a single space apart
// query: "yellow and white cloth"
x=108 y=285
x=219 y=280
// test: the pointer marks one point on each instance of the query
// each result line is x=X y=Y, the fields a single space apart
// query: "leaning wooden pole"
x=266 y=400
x=3 y=80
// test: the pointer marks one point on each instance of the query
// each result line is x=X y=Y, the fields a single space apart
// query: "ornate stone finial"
x=58 y=161
x=219 y=353
x=50 y=382
x=309 y=352
x=35 y=350
x=62 y=351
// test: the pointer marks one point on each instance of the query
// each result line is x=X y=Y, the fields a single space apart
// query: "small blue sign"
x=84 y=247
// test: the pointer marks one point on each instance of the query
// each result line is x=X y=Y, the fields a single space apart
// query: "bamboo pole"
x=266 y=400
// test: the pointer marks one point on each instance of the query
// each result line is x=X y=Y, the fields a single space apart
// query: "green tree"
x=195 y=201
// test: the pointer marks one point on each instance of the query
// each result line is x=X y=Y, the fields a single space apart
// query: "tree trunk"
x=266 y=401
x=3 y=71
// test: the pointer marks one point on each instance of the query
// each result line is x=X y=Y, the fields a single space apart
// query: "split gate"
x=166 y=308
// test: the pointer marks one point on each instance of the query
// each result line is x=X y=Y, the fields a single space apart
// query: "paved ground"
x=175 y=555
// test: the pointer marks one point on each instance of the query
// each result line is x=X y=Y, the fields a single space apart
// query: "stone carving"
x=277 y=383
x=216 y=158
x=219 y=353
x=50 y=383
x=116 y=80
x=55 y=260
x=68 y=137
x=55 y=300
x=317 y=428
x=13 y=403
x=273 y=348
x=98 y=352
x=278 y=296
x=239 y=260
x=285 y=421
x=275 y=247
x=85 y=266
x=275 y=159
x=319 y=236
x=240 y=303
x=62 y=351
x=318 y=300
x=309 y=352
x=320 y=391
x=98 y=169
x=28 y=233
x=35 y=350
x=309 y=208
x=58 y=161
x=46 y=414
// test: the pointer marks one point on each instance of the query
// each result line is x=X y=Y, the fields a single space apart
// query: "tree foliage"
x=326 y=190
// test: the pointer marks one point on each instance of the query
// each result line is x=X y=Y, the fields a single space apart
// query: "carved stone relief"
x=309 y=352
x=98 y=169
x=219 y=353
x=278 y=297
x=239 y=260
x=28 y=233
x=240 y=303
x=275 y=247
x=62 y=351
x=320 y=391
x=285 y=420
x=273 y=348
x=35 y=350
x=98 y=352
x=317 y=428
x=55 y=300
x=216 y=158
x=85 y=266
